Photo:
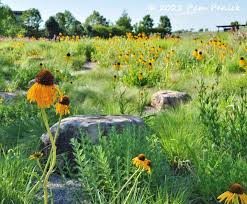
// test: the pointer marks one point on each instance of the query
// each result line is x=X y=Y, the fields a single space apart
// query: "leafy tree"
x=101 y=31
x=125 y=22
x=88 y=30
x=60 y=18
x=31 y=20
x=117 y=30
x=52 y=27
x=68 y=24
x=96 y=19
x=146 y=25
x=164 y=25
x=9 y=25
x=75 y=28
x=235 y=24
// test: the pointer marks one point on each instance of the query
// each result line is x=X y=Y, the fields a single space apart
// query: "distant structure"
x=229 y=27
x=18 y=14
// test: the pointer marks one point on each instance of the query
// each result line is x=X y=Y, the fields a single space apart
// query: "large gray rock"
x=165 y=99
x=93 y=126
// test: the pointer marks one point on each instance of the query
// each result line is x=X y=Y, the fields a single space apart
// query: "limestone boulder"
x=91 y=125
x=165 y=99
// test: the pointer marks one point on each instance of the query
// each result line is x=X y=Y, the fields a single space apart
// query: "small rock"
x=64 y=191
x=165 y=99
x=93 y=126
x=149 y=110
x=7 y=96
x=32 y=82
x=89 y=65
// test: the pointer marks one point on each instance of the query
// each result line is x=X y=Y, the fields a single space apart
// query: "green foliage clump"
x=104 y=168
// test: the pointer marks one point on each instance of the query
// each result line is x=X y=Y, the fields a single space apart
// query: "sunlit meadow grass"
x=189 y=162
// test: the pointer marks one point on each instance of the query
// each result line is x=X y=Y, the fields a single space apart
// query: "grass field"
x=197 y=150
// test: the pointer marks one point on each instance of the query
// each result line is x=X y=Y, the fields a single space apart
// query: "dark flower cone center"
x=141 y=157
x=148 y=163
x=236 y=188
x=68 y=54
x=65 y=101
x=37 y=154
x=45 y=77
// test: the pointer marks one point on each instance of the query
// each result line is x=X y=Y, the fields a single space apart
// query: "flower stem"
x=48 y=160
x=127 y=182
x=126 y=199
x=53 y=155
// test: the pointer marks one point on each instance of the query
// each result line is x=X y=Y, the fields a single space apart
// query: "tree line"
x=29 y=24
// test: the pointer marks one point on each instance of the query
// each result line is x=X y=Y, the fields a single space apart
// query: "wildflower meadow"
x=123 y=117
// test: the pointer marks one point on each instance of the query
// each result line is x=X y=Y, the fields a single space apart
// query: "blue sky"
x=184 y=14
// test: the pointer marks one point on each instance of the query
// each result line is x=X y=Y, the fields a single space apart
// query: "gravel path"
x=88 y=66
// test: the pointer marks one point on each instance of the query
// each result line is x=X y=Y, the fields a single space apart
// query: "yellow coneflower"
x=223 y=46
x=140 y=76
x=41 y=65
x=150 y=66
x=242 y=62
x=222 y=56
x=141 y=162
x=115 y=78
x=199 y=56
x=43 y=91
x=62 y=107
x=195 y=53
x=36 y=155
x=68 y=56
x=117 y=66
x=234 y=195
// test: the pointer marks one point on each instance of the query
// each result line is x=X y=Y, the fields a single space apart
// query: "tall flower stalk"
x=44 y=92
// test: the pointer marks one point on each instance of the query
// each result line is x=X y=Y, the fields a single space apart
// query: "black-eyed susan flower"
x=199 y=56
x=117 y=66
x=115 y=78
x=43 y=91
x=62 y=107
x=234 y=195
x=140 y=76
x=195 y=53
x=36 y=156
x=68 y=57
x=141 y=162
x=242 y=62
